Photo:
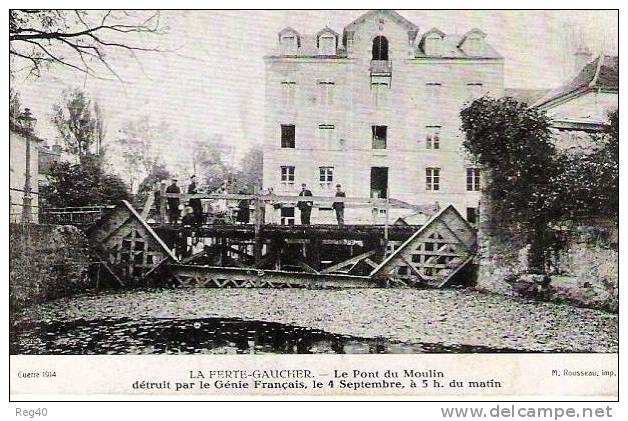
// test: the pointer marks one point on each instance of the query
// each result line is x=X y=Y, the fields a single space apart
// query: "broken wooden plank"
x=349 y=262
x=454 y=271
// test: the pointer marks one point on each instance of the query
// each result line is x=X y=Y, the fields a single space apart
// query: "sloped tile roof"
x=602 y=73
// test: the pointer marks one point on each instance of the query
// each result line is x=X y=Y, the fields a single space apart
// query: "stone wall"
x=46 y=262
x=583 y=268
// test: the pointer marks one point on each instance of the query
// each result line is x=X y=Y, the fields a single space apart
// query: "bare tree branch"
x=72 y=39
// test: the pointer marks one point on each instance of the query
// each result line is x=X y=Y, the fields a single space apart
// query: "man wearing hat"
x=195 y=203
x=173 y=202
x=305 y=206
x=339 y=207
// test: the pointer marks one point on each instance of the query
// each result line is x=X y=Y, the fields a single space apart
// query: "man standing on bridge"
x=339 y=207
x=305 y=206
x=173 y=202
x=195 y=203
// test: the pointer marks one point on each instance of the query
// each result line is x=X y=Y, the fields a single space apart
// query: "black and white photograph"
x=272 y=182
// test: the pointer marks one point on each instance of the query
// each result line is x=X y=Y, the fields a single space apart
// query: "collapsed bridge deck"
x=257 y=255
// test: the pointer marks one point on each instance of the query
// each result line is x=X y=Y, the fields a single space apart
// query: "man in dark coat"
x=173 y=202
x=339 y=207
x=305 y=206
x=195 y=203
x=243 y=210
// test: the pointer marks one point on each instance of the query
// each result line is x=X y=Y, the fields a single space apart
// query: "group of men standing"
x=305 y=206
x=194 y=214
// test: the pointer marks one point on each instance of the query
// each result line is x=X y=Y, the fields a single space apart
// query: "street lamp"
x=27 y=121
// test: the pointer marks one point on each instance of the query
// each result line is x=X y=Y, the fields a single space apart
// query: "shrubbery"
x=532 y=185
x=45 y=263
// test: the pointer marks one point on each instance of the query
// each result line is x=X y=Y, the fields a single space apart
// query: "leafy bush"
x=46 y=263
x=82 y=184
x=530 y=183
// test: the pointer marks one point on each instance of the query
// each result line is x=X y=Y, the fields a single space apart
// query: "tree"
x=589 y=180
x=82 y=184
x=251 y=173
x=158 y=173
x=15 y=103
x=79 y=122
x=531 y=184
x=138 y=146
x=78 y=39
x=514 y=145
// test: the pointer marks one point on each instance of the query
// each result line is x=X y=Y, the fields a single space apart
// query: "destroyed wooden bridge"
x=135 y=252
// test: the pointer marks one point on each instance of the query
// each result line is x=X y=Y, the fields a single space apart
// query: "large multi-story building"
x=375 y=109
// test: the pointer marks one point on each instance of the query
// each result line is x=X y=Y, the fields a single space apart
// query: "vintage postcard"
x=314 y=205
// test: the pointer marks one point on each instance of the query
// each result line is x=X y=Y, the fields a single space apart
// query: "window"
x=287 y=216
x=288 y=91
x=379 y=136
x=432 y=138
x=287 y=135
x=380 y=90
x=327 y=45
x=434 y=45
x=432 y=179
x=472 y=215
x=289 y=44
x=326 y=136
x=380 y=48
x=473 y=179
x=473 y=46
x=326 y=177
x=287 y=177
x=475 y=90
x=326 y=90
x=433 y=92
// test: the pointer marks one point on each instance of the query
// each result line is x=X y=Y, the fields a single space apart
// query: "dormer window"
x=327 y=42
x=289 y=41
x=433 y=42
x=327 y=46
x=473 y=43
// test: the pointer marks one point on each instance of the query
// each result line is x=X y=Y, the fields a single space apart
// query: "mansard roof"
x=451 y=48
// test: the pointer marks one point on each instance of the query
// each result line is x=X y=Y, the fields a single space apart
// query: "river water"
x=236 y=321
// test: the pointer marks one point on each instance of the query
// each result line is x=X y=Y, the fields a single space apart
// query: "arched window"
x=380 y=48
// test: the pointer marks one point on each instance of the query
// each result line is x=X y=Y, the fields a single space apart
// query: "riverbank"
x=450 y=318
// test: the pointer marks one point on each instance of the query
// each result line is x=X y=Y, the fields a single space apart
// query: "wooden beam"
x=147 y=205
x=413 y=269
x=305 y=266
x=370 y=263
x=348 y=262
x=453 y=272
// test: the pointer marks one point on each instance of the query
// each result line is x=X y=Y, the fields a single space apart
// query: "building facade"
x=17 y=171
x=375 y=109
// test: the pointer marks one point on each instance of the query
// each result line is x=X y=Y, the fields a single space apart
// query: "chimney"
x=582 y=57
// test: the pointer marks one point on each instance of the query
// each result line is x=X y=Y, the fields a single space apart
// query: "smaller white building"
x=17 y=171
x=581 y=106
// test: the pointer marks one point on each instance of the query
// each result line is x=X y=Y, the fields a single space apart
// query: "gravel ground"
x=448 y=317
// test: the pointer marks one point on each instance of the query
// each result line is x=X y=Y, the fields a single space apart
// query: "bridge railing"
x=84 y=215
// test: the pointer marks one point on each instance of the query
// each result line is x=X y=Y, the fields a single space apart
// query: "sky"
x=211 y=79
